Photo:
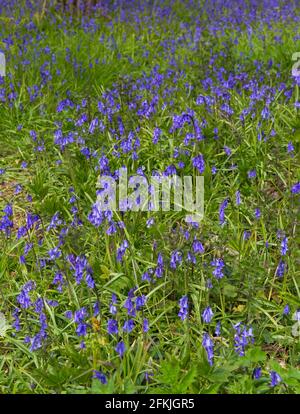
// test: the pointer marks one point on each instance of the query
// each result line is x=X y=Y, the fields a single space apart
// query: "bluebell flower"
x=209 y=347
x=81 y=329
x=256 y=373
x=286 y=310
x=176 y=258
x=207 y=314
x=290 y=148
x=218 y=329
x=24 y=298
x=275 y=378
x=222 y=208
x=265 y=113
x=128 y=325
x=146 y=276
x=16 y=324
x=156 y=135
x=160 y=266
x=69 y=314
x=218 y=265
x=112 y=306
x=54 y=253
x=6 y=224
x=130 y=305
x=140 y=302
x=121 y=250
x=296 y=188
x=36 y=342
x=198 y=162
x=120 y=348
x=100 y=376
x=18 y=189
x=191 y=258
x=8 y=210
x=58 y=280
x=280 y=268
x=243 y=336
x=22 y=259
x=93 y=125
x=150 y=222
x=52 y=303
x=145 y=325
x=257 y=213
x=170 y=170
x=112 y=327
x=238 y=198
x=96 y=308
x=198 y=247
x=209 y=284
x=184 y=307
x=38 y=305
x=246 y=234
x=252 y=174
x=80 y=315
x=284 y=246
x=227 y=150
x=96 y=216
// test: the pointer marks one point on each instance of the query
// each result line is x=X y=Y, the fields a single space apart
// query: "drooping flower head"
x=100 y=376
x=184 y=307
x=207 y=314
x=209 y=347
x=275 y=378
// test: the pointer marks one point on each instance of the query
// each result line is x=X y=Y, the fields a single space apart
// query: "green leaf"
x=169 y=371
x=230 y=291
x=99 y=388
x=212 y=389
x=219 y=375
x=255 y=355
x=188 y=379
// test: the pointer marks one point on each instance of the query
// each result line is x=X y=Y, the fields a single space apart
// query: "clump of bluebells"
x=242 y=337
